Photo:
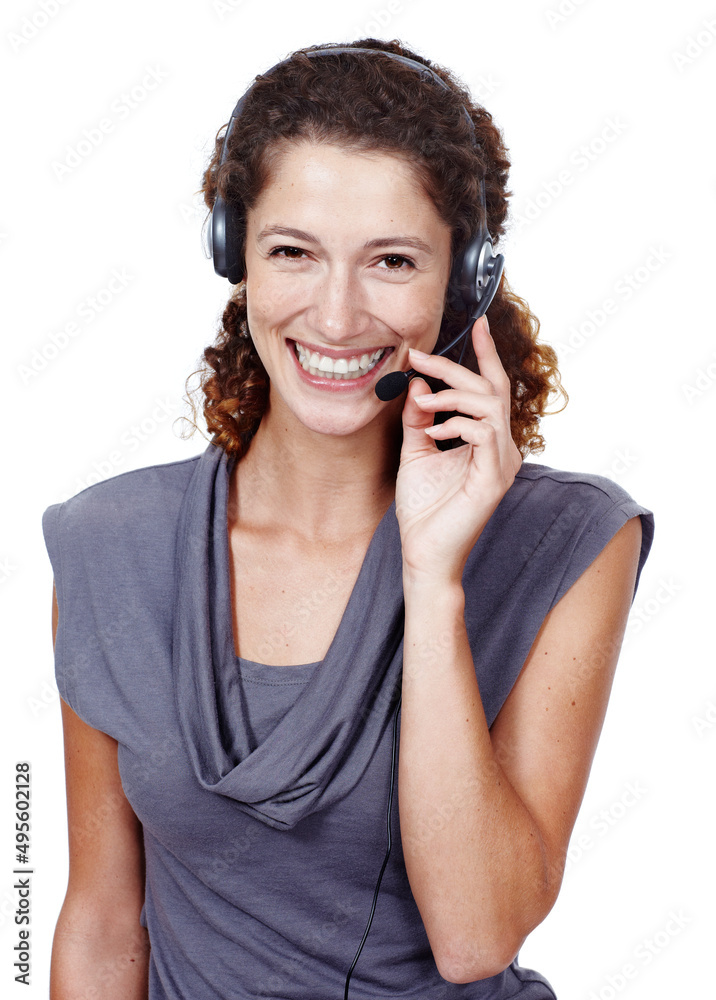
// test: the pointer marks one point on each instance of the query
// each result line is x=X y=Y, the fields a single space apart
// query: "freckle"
x=574 y=703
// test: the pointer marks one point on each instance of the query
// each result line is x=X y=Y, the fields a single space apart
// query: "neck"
x=325 y=487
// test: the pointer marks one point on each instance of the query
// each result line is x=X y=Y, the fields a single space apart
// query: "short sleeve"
x=548 y=529
x=50 y=531
x=92 y=620
x=609 y=511
x=111 y=547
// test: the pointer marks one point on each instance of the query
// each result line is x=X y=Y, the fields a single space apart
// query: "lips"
x=347 y=353
x=347 y=369
x=354 y=369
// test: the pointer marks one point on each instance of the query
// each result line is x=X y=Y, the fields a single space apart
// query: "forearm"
x=473 y=854
x=92 y=960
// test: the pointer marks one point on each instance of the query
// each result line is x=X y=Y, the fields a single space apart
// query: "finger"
x=451 y=373
x=457 y=375
x=491 y=409
x=487 y=453
x=488 y=360
x=474 y=404
x=482 y=433
x=416 y=442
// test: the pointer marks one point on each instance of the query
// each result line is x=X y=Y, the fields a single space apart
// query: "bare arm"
x=506 y=799
x=99 y=950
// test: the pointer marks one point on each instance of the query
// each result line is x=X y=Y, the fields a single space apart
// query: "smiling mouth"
x=346 y=368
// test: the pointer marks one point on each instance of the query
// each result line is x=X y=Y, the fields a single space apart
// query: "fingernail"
x=417 y=354
x=421 y=399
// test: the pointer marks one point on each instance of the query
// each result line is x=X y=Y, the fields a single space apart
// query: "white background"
x=641 y=380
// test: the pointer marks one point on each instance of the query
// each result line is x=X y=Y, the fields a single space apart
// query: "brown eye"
x=290 y=250
x=400 y=259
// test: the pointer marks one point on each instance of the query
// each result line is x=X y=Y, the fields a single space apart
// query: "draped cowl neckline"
x=322 y=746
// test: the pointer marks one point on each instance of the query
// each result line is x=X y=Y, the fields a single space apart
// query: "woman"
x=246 y=636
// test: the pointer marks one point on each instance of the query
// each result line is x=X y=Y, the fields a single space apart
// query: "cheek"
x=417 y=311
x=261 y=310
x=432 y=304
x=269 y=302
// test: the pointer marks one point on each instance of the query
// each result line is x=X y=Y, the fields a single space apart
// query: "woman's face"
x=346 y=256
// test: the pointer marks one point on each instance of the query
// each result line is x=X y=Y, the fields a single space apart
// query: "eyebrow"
x=379 y=241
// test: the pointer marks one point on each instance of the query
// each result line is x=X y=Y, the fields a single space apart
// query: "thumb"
x=415 y=441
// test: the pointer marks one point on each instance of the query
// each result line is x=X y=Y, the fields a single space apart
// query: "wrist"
x=433 y=585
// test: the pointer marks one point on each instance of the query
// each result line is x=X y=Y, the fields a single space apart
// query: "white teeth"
x=339 y=368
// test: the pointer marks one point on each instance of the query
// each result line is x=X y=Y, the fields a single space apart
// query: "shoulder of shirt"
x=135 y=494
x=531 y=475
x=556 y=489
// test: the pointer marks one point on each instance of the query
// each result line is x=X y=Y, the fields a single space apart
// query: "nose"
x=338 y=313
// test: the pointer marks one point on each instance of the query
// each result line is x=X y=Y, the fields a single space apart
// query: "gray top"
x=263 y=790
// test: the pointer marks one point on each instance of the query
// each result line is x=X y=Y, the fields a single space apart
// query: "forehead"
x=342 y=182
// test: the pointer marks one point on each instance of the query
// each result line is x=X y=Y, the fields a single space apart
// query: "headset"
x=474 y=279
x=476 y=272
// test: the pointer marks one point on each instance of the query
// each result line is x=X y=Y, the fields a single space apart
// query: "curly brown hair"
x=385 y=106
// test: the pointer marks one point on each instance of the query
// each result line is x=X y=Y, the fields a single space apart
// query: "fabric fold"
x=323 y=745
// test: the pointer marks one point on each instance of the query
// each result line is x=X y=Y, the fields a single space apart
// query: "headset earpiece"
x=225 y=224
x=475 y=277
x=217 y=236
x=476 y=272
x=224 y=242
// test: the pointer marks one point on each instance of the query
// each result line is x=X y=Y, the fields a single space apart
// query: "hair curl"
x=385 y=106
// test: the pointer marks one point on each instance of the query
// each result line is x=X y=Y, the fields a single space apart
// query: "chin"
x=332 y=414
x=334 y=420
x=330 y=426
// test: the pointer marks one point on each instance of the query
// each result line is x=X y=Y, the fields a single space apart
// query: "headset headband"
x=425 y=71
x=476 y=271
